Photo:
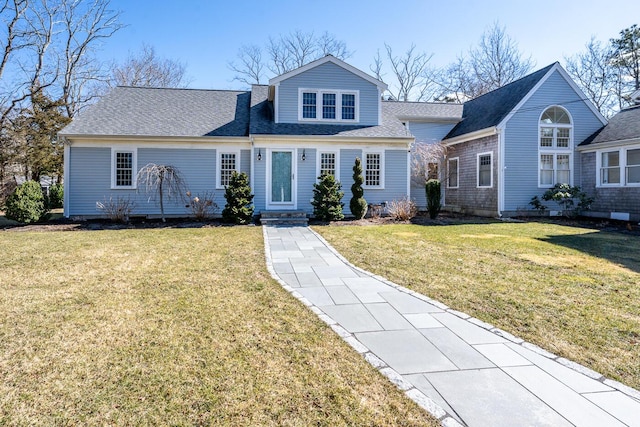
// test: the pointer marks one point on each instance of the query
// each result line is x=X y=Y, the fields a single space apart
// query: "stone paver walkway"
x=460 y=369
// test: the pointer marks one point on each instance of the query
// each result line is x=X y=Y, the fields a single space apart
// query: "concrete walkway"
x=461 y=370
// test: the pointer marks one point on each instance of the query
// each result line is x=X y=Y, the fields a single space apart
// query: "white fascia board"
x=423 y=119
x=471 y=136
x=610 y=144
x=160 y=140
x=329 y=58
x=265 y=138
x=556 y=67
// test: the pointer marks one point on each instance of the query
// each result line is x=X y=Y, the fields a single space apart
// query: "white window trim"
x=319 y=153
x=382 y=169
x=554 y=149
x=338 y=93
x=457 y=160
x=490 y=154
x=622 y=153
x=219 y=154
x=555 y=154
x=134 y=168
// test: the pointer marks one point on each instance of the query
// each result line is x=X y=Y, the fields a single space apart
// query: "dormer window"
x=328 y=105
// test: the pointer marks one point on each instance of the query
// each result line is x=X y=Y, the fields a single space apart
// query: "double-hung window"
x=633 y=166
x=324 y=105
x=309 y=105
x=227 y=164
x=554 y=147
x=485 y=170
x=123 y=168
x=610 y=168
x=373 y=170
x=453 y=172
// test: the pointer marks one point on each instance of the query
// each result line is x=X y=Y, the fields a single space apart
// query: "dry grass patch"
x=171 y=327
x=571 y=290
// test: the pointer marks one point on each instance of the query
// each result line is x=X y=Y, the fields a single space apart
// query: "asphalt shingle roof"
x=623 y=126
x=489 y=109
x=165 y=112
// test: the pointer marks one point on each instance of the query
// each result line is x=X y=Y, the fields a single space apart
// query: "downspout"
x=65 y=172
x=502 y=168
x=252 y=165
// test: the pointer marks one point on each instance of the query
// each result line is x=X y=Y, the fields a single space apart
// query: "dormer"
x=327 y=91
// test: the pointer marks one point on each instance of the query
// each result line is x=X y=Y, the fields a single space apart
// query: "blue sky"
x=206 y=35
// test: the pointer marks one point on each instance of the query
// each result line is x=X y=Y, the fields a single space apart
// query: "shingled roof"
x=491 y=108
x=137 y=111
x=623 y=126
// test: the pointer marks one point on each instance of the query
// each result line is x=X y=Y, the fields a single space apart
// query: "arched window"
x=554 y=147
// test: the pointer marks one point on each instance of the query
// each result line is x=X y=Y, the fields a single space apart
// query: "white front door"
x=281 y=179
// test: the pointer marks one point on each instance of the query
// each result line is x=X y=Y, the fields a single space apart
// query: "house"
x=610 y=161
x=503 y=147
x=516 y=142
x=313 y=120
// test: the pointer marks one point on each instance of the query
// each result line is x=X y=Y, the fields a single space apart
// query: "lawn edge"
x=623 y=388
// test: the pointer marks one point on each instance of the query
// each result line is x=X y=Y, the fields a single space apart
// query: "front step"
x=284 y=218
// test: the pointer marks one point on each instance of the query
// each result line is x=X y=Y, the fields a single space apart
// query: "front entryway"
x=281 y=179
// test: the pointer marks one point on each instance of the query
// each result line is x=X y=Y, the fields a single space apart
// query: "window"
x=309 y=105
x=432 y=171
x=485 y=170
x=555 y=169
x=554 y=147
x=328 y=164
x=348 y=106
x=328 y=105
x=452 y=169
x=123 y=168
x=610 y=168
x=619 y=167
x=226 y=167
x=633 y=166
x=373 y=170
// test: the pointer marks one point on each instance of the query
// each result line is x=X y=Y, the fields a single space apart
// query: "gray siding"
x=426 y=133
x=467 y=197
x=521 y=139
x=90 y=178
x=327 y=76
x=245 y=162
x=608 y=199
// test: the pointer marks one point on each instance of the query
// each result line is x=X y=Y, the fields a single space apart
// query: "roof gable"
x=493 y=107
x=334 y=60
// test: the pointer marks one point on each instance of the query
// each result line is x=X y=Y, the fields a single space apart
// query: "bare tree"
x=86 y=24
x=425 y=160
x=496 y=61
x=283 y=54
x=411 y=75
x=493 y=63
x=162 y=182
x=250 y=68
x=146 y=69
x=594 y=72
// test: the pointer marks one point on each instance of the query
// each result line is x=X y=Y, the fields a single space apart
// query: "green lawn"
x=171 y=327
x=573 y=291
